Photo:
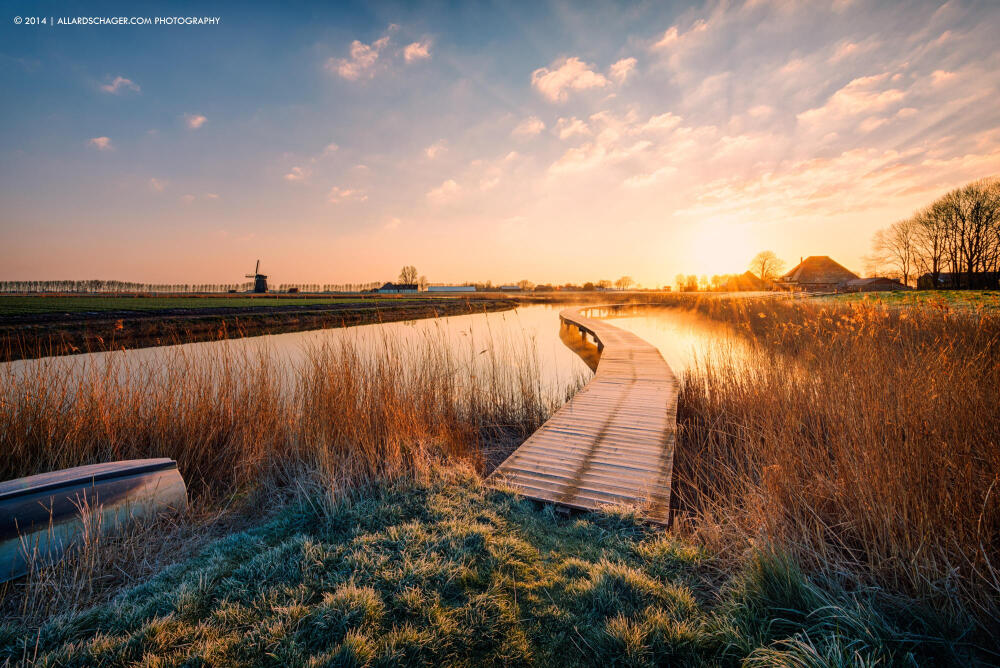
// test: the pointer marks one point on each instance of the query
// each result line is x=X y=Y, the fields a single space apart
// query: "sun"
x=719 y=247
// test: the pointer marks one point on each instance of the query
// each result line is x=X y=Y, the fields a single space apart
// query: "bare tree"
x=408 y=274
x=930 y=241
x=767 y=265
x=624 y=283
x=422 y=283
x=897 y=245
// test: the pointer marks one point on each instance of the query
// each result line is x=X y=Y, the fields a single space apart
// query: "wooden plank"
x=612 y=443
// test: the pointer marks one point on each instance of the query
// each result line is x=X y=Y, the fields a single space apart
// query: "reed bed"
x=248 y=427
x=863 y=440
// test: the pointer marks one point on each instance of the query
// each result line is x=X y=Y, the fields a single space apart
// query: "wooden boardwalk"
x=613 y=443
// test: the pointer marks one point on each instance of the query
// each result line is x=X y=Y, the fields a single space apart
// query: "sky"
x=547 y=141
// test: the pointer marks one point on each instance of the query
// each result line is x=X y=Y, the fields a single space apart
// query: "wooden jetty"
x=43 y=515
x=613 y=442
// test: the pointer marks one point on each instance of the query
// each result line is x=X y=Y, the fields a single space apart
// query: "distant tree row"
x=94 y=286
x=327 y=287
x=959 y=233
x=99 y=286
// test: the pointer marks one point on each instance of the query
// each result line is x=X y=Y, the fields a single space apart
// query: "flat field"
x=24 y=305
x=954 y=298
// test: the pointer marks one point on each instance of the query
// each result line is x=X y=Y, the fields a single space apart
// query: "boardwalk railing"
x=613 y=442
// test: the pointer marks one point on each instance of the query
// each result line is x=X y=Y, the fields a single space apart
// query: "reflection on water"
x=683 y=338
x=528 y=335
x=581 y=345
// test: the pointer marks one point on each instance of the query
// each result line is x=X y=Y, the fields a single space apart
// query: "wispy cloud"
x=621 y=70
x=565 y=75
x=194 y=121
x=296 y=174
x=119 y=84
x=417 y=51
x=338 y=195
x=101 y=143
x=445 y=192
x=159 y=185
x=435 y=149
x=362 y=61
x=529 y=127
x=567 y=128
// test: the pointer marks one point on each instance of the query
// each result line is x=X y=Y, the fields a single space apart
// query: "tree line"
x=957 y=234
x=95 y=286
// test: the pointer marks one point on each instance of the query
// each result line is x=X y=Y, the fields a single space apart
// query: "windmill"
x=259 y=279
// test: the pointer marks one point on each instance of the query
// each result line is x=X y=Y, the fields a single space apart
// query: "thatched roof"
x=817 y=270
x=745 y=282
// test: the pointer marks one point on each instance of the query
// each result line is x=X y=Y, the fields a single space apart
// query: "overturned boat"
x=43 y=515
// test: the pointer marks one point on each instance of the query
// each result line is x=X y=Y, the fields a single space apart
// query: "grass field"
x=448 y=572
x=989 y=299
x=20 y=305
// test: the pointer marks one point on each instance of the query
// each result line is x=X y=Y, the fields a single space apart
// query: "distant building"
x=875 y=284
x=816 y=273
x=510 y=288
x=977 y=280
x=398 y=288
x=745 y=282
x=451 y=288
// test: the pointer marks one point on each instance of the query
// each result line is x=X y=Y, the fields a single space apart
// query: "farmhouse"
x=816 y=273
x=397 y=288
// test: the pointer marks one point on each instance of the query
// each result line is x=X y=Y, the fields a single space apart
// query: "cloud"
x=338 y=195
x=861 y=95
x=101 y=143
x=760 y=111
x=187 y=199
x=622 y=69
x=417 y=51
x=194 y=121
x=297 y=174
x=436 y=149
x=529 y=127
x=362 y=62
x=158 y=185
x=119 y=84
x=445 y=192
x=662 y=122
x=211 y=196
x=330 y=148
x=571 y=127
x=672 y=36
x=567 y=74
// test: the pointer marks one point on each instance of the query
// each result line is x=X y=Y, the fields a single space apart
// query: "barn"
x=874 y=284
x=816 y=273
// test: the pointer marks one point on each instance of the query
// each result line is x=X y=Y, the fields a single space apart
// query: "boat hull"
x=44 y=515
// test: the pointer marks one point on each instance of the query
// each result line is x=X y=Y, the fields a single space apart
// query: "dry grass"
x=246 y=428
x=863 y=440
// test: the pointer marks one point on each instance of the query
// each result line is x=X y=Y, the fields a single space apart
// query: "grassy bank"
x=446 y=572
x=966 y=299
